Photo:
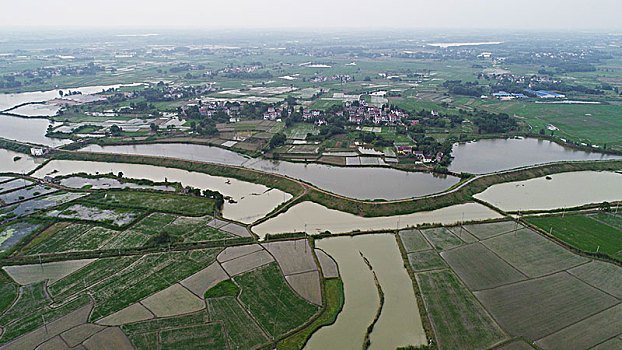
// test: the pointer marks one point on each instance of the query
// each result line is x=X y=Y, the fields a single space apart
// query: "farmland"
x=513 y=282
x=589 y=233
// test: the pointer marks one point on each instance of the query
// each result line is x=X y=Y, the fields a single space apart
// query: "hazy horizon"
x=556 y=15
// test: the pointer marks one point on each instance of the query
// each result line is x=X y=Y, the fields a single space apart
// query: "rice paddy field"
x=600 y=232
x=514 y=288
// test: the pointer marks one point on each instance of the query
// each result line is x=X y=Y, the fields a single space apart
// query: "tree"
x=115 y=130
x=277 y=140
x=154 y=128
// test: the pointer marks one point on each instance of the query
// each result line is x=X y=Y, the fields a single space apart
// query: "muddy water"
x=253 y=201
x=11 y=100
x=399 y=323
x=563 y=190
x=317 y=218
x=360 y=183
x=23 y=165
x=30 y=130
x=490 y=155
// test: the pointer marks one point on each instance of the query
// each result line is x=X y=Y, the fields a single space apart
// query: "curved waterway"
x=490 y=155
x=314 y=218
x=353 y=182
x=252 y=201
x=399 y=323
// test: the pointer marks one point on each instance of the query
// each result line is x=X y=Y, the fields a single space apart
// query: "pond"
x=315 y=218
x=14 y=162
x=353 y=182
x=252 y=201
x=490 y=155
x=564 y=190
x=399 y=323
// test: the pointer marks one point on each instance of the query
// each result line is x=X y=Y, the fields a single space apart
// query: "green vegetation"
x=242 y=331
x=223 y=289
x=588 y=233
x=34 y=320
x=531 y=253
x=31 y=298
x=158 y=324
x=144 y=341
x=425 y=260
x=441 y=238
x=8 y=291
x=272 y=302
x=89 y=275
x=459 y=321
x=151 y=274
x=333 y=291
x=207 y=336
x=165 y=202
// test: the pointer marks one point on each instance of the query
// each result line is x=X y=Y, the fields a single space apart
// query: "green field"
x=207 y=336
x=458 y=319
x=441 y=238
x=271 y=300
x=334 y=303
x=592 y=124
x=425 y=260
x=531 y=253
x=165 y=202
x=242 y=331
x=588 y=233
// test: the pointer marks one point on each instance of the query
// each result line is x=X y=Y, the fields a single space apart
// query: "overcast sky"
x=313 y=14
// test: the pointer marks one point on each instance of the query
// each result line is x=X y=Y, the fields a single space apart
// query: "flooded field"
x=23 y=164
x=399 y=323
x=563 y=190
x=316 y=218
x=354 y=182
x=490 y=155
x=30 y=130
x=253 y=201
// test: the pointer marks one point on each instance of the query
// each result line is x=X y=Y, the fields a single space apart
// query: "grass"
x=223 y=289
x=242 y=331
x=272 y=302
x=335 y=298
x=165 y=202
x=154 y=223
x=205 y=337
x=58 y=238
x=584 y=232
x=459 y=320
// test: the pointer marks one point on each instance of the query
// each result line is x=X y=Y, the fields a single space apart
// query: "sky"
x=314 y=14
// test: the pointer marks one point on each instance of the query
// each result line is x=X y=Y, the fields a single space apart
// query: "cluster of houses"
x=518 y=79
x=343 y=78
x=358 y=113
x=410 y=150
